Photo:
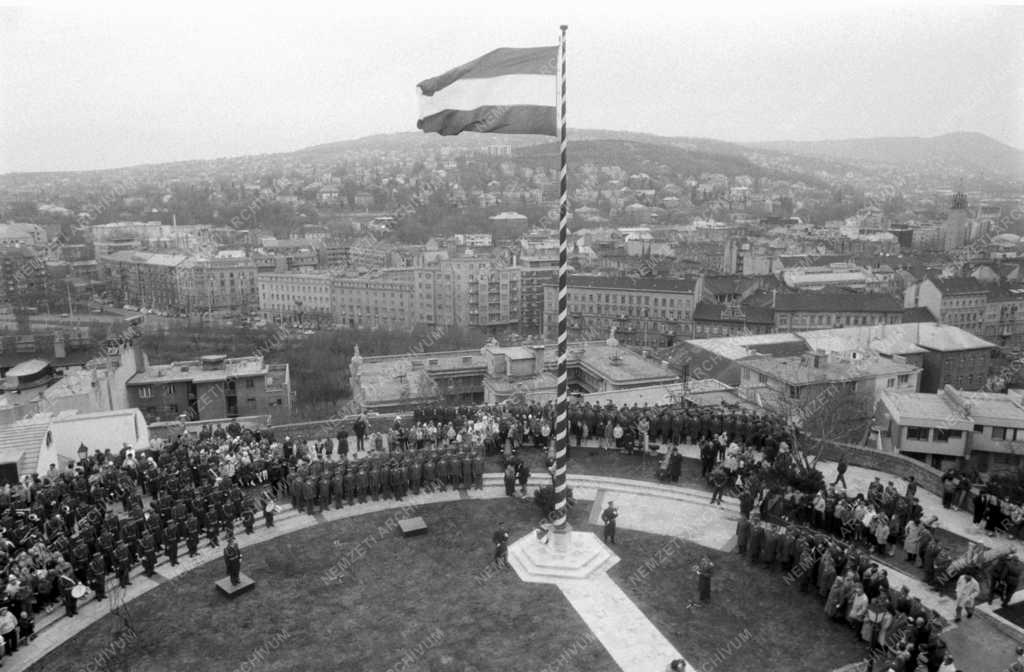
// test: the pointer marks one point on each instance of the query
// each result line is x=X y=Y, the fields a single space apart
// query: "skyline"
x=104 y=90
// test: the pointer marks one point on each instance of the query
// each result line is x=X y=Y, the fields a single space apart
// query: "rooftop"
x=922 y=407
x=619 y=365
x=837 y=302
x=798 y=371
x=727 y=312
x=193 y=370
x=958 y=286
x=633 y=282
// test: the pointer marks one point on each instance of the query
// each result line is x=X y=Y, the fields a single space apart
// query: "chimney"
x=773 y=298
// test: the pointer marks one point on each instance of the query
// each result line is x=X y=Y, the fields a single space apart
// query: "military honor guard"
x=147 y=547
x=171 y=535
x=500 y=539
x=705 y=570
x=608 y=516
x=98 y=576
x=233 y=559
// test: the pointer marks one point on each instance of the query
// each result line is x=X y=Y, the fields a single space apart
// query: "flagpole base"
x=561 y=539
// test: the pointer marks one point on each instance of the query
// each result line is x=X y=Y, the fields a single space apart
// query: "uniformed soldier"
x=213 y=531
x=233 y=560
x=192 y=535
x=248 y=519
x=171 y=535
x=130 y=536
x=429 y=473
x=478 y=471
x=398 y=481
x=295 y=491
x=106 y=545
x=373 y=482
x=324 y=492
x=98 y=576
x=467 y=471
x=337 y=489
x=123 y=563
x=309 y=496
x=386 y=491
x=80 y=561
x=414 y=472
x=441 y=472
x=179 y=512
x=347 y=483
x=361 y=483
x=609 y=516
x=147 y=548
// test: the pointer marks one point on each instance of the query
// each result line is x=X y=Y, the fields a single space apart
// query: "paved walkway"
x=630 y=638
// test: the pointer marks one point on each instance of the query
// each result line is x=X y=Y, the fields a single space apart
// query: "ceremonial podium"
x=245 y=584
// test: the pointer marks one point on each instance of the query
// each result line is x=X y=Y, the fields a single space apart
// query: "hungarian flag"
x=504 y=91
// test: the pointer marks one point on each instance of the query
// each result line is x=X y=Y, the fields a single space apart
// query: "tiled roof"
x=951 y=286
x=639 y=283
x=21 y=444
x=845 y=302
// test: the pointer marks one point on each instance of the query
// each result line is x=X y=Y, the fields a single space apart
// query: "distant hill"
x=970 y=151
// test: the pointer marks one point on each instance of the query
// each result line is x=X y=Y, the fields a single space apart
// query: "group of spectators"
x=61 y=533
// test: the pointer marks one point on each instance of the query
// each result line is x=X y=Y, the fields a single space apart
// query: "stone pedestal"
x=537 y=561
x=561 y=538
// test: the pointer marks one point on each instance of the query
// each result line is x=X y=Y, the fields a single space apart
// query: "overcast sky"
x=100 y=88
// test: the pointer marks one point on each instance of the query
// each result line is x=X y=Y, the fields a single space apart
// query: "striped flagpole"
x=562 y=403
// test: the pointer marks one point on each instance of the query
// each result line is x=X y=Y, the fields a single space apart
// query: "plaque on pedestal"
x=244 y=585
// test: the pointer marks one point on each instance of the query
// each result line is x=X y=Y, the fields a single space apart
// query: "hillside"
x=651 y=158
x=968 y=151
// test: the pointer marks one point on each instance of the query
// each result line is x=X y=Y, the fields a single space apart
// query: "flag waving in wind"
x=504 y=91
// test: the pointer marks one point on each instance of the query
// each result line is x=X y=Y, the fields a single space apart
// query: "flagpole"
x=562 y=403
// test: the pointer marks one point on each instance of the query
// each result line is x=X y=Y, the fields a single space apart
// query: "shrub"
x=544 y=497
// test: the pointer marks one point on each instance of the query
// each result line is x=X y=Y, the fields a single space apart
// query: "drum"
x=78 y=592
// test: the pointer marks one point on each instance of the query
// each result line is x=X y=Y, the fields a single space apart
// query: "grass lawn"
x=430 y=597
x=755 y=620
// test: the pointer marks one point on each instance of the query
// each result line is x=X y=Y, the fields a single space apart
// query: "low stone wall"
x=928 y=478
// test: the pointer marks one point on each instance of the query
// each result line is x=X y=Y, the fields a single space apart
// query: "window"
x=944 y=435
x=904 y=379
x=917 y=433
x=979 y=429
x=891 y=382
x=794 y=392
x=250 y=382
x=999 y=433
x=169 y=389
x=762 y=379
x=145 y=392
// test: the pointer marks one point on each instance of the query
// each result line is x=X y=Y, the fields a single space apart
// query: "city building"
x=494 y=374
x=535 y=271
x=23 y=276
x=956 y=301
x=792 y=386
x=294 y=296
x=828 y=310
x=1003 y=320
x=732 y=318
x=219 y=283
x=383 y=300
x=147 y=279
x=468 y=291
x=643 y=310
x=954 y=428
x=211 y=388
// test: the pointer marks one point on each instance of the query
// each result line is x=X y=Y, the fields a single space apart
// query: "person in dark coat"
x=742 y=535
x=500 y=540
x=609 y=516
x=705 y=570
x=675 y=465
x=233 y=560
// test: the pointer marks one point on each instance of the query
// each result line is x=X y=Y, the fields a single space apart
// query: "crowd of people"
x=60 y=533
